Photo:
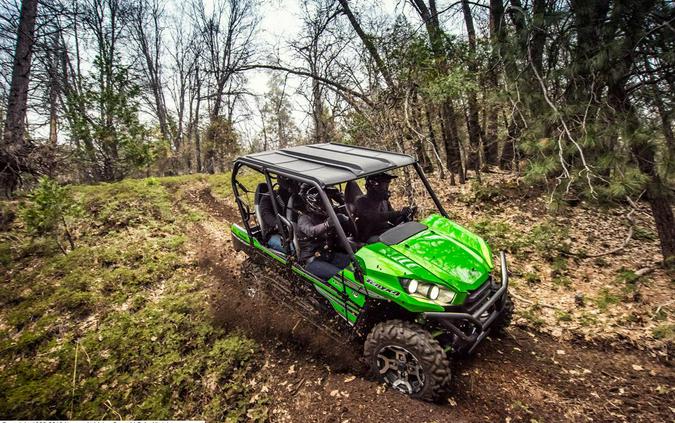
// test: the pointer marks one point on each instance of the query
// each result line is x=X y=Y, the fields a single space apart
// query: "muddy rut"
x=524 y=376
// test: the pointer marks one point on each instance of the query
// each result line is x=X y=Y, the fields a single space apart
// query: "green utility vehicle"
x=423 y=292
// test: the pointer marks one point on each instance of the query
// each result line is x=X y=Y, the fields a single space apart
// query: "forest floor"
x=153 y=303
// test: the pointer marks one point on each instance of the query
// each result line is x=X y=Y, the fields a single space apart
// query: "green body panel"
x=345 y=297
x=445 y=254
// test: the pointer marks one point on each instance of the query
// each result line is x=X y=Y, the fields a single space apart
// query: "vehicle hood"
x=444 y=253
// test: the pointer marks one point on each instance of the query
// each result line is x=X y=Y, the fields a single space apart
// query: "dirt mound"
x=202 y=197
x=216 y=207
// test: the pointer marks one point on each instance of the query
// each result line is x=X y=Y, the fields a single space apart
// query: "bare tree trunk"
x=473 y=125
x=497 y=36
x=421 y=152
x=449 y=131
x=506 y=161
x=53 y=96
x=198 y=147
x=589 y=17
x=149 y=43
x=71 y=88
x=15 y=147
x=432 y=136
x=368 y=42
x=53 y=90
x=658 y=193
x=666 y=124
x=666 y=117
x=320 y=131
x=451 y=142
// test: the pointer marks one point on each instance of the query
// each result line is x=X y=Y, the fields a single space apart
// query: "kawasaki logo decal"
x=383 y=288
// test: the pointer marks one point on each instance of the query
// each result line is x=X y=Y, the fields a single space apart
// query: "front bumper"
x=472 y=326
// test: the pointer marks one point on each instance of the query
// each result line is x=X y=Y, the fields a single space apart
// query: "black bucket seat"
x=260 y=191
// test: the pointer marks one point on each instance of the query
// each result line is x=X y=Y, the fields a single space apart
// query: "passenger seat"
x=352 y=194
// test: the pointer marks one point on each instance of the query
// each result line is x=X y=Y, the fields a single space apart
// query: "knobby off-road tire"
x=504 y=319
x=409 y=339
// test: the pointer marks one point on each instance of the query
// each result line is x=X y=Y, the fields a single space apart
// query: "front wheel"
x=504 y=319
x=409 y=359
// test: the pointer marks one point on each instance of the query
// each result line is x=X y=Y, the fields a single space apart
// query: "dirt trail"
x=525 y=376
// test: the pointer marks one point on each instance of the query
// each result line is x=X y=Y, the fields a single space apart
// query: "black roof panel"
x=327 y=164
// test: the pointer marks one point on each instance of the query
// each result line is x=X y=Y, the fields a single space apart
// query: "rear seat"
x=292 y=212
x=260 y=191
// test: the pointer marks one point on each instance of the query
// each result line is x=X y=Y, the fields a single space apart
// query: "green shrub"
x=563 y=316
x=629 y=280
x=50 y=205
x=532 y=278
x=643 y=234
x=7 y=216
x=481 y=193
x=605 y=298
x=548 y=238
x=498 y=234
x=665 y=331
x=533 y=315
x=78 y=303
x=5 y=253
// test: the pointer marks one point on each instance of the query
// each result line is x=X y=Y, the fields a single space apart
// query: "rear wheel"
x=409 y=359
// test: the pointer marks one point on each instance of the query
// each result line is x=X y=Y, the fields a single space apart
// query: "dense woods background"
x=576 y=96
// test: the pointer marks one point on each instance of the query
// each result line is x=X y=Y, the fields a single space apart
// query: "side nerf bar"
x=446 y=318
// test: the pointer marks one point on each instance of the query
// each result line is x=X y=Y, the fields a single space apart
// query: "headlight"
x=410 y=285
x=428 y=290
x=433 y=292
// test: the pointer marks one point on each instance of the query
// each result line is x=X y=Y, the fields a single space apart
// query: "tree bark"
x=473 y=124
x=497 y=36
x=451 y=142
x=54 y=89
x=15 y=147
x=198 y=147
x=423 y=157
x=368 y=42
x=506 y=160
x=589 y=17
x=449 y=129
x=432 y=136
x=658 y=193
x=150 y=48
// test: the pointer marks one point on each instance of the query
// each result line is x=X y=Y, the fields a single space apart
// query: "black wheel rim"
x=400 y=369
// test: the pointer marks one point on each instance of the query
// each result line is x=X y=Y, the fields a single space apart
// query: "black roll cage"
x=283 y=223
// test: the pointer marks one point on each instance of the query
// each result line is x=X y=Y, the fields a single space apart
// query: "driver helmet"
x=312 y=198
x=378 y=185
x=287 y=184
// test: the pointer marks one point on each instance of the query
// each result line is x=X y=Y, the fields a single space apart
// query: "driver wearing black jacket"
x=317 y=237
x=374 y=211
